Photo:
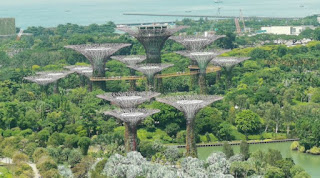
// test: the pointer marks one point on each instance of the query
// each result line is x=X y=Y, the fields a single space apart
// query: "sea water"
x=50 y=13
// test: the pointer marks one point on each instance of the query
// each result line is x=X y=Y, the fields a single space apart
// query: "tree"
x=84 y=143
x=248 y=122
x=274 y=172
x=227 y=150
x=287 y=116
x=274 y=114
x=272 y=156
x=244 y=149
x=224 y=132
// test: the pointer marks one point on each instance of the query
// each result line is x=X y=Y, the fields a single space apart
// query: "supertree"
x=130 y=61
x=98 y=54
x=47 y=77
x=83 y=72
x=153 y=38
x=126 y=100
x=150 y=70
x=228 y=63
x=132 y=117
x=190 y=105
x=196 y=43
x=202 y=59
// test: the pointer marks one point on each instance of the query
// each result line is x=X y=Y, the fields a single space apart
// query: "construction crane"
x=19 y=34
x=236 y=20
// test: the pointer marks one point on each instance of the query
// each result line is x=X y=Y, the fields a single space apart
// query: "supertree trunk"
x=159 y=85
x=99 y=71
x=191 y=146
x=56 y=87
x=203 y=82
x=130 y=137
x=194 y=78
x=132 y=82
x=228 y=78
x=218 y=75
x=150 y=83
x=89 y=85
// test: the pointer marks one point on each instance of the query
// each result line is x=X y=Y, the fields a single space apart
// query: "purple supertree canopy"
x=128 y=99
x=132 y=116
x=95 y=52
x=196 y=42
x=228 y=62
x=130 y=60
x=189 y=104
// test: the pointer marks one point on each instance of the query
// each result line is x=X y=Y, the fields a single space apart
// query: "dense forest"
x=274 y=95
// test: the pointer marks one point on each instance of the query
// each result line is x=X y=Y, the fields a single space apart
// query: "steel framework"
x=190 y=105
x=196 y=42
x=98 y=54
x=150 y=70
x=202 y=58
x=132 y=117
x=130 y=61
x=228 y=63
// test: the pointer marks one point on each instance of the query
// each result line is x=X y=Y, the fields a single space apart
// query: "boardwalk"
x=238 y=143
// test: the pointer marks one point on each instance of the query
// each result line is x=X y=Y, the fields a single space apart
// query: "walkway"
x=32 y=165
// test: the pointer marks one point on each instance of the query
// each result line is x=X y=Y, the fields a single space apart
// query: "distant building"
x=285 y=30
x=7 y=26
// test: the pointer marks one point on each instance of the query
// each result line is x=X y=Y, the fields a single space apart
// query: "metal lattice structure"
x=152 y=37
x=47 y=77
x=129 y=61
x=196 y=42
x=81 y=70
x=132 y=117
x=202 y=58
x=128 y=99
x=228 y=63
x=98 y=54
x=150 y=70
x=190 y=105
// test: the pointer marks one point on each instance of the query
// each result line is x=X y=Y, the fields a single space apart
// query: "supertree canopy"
x=190 y=106
x=150 y=70
x=132 y=117
x=128 y=99
x=129 y=61
x=202 y=59
x=228 y=63
x=98 y=54
x=47 y=77
x=84 y=72
x=196 y=42
x=152 y=37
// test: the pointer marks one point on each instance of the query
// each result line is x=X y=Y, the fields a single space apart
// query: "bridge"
x=213 y=16
x=210 y=69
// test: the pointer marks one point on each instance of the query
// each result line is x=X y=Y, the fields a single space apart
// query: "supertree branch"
x=132 y=117
x=129 y=61
x=196 y=42
x=128 y=99
x=228 y=63
x=150 y=70
x=202 y=58
x=98 y=54
x=190 y=105
x=152 y=38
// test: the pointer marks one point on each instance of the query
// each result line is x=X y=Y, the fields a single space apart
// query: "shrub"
x=294 y=145
x=227 y=150
x=302 y=149
x=315 y=150
x=181 y=137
